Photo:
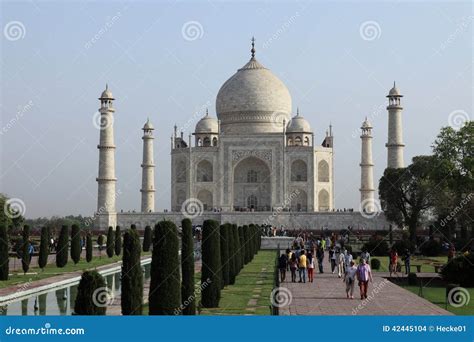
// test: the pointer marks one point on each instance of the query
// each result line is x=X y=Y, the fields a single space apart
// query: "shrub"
x=25 y=253
x=89 y=247
x=118 y=241
x=460 y=271
x=76 y=248
x=412 y=279
x=110 y=245
x=44 y=248
x=90 y=294
x=211 y=264
x=63 y=247
x=165 y=282
x=376 y=246
x=375 y=263
x=431 y=248
x=100 y=243
x=132 y=275
x=147 y=239
x=187 y=269
x=402 y=245
x=4 y=259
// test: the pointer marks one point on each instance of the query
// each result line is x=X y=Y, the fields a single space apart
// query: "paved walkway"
x=326 y=296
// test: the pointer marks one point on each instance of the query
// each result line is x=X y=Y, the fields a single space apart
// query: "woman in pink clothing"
x=364 y=275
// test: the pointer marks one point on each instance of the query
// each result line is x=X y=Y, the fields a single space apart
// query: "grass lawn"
x=427 y=263
x=35 y=273
x=436 y=295
x=235 y=298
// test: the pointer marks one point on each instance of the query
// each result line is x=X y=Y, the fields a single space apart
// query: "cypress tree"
x=44 y=248
x=62 y=249
x=147 y=239
x=231 y=251
x=100 y=242
x=132 y=275
x=253 y=239
x=118 y=241
x=110 y=246
x=89 y=247
x=188 y=304
x=242 y=247
x=211 y=264
x=92 y=295
x=25 y=253
x=165 y=282
x=75 y=243
x=4 y=259
x=237 y=256
x=246 y=246
x=224 y=255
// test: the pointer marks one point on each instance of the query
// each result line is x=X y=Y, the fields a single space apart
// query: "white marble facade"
x=255 y=156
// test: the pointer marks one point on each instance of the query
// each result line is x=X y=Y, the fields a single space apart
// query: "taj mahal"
x=257 y=162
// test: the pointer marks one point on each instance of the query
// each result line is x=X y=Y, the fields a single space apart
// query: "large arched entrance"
x=252 y=185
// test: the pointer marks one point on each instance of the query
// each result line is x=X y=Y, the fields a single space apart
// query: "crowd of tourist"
x=308 y=251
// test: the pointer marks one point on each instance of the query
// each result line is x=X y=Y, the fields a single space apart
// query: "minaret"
x=366 y=169
x=106 y=180
x=395 y=132
x=148 y=170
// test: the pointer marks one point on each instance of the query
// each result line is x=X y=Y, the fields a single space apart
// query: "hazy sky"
x=167 y=61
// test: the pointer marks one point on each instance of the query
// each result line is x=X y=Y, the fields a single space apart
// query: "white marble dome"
x=107 y=94
x=298 y=124
x=253 y=100
x=207 y=125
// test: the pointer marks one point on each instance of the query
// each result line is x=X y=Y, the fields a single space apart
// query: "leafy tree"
x=147 y=239
x=406 y=193
x=4 y=260
x=211 y=264
x=92 y=295
x=224 y=244
x=187 y=268
x=165 y=282
x=118 y=241
x=110 y=244
x=25 y=253
x=89 y=247
x=44 y=248
x=132 y=275
x=62 y=248
x=76 y=248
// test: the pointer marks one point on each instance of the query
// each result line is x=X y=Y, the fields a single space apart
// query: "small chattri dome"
x=366 y=124
x=298 y=124
x=148 y=125
x=107 y=94
x=207 y=125
x=394 y=91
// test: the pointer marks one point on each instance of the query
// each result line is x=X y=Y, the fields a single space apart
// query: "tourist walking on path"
x=310 y=263
x=393 y=262
x=302 y=264
x=282 y=264
x=349 y=279
x=289 y=253
x=332 y=258
x=340 y=265
x=347 y=260
x=364 y=275
x=293 y=267
x=365 y=255
x=406 y=259
x=320 y=256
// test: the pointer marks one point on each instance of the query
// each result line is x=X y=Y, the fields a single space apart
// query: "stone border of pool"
x=74 y=277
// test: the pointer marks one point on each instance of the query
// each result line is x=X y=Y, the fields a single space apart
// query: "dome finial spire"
x=297 y=111
x=207 y=111
x=253 y=47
